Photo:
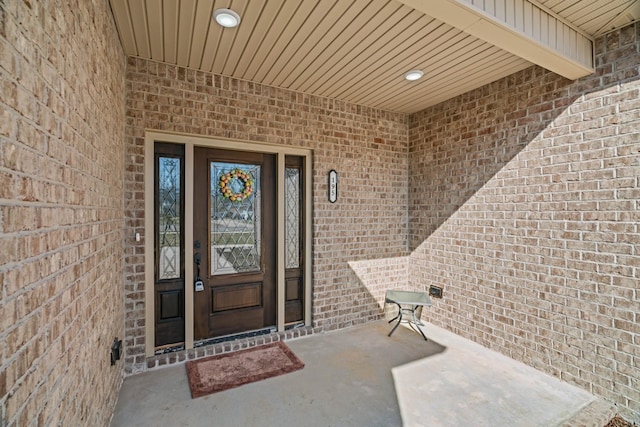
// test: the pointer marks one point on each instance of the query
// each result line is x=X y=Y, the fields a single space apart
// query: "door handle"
x=199 y=284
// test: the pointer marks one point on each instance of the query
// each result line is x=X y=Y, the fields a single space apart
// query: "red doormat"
x=229 y=370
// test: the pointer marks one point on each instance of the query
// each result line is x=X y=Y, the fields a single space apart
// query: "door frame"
x=189 y=142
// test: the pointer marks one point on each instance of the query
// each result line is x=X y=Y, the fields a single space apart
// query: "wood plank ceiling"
x=352 y=50
x=595 y=17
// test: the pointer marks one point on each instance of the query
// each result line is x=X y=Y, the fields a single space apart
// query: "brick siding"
x=367 y=147
x=61 y=212
x=525 y=208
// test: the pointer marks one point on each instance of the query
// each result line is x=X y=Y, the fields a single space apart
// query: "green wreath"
x=225 y=185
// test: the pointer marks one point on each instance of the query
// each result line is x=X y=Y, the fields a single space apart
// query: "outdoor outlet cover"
x=435 y=291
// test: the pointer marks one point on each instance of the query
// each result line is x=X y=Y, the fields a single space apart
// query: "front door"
x=234 y=242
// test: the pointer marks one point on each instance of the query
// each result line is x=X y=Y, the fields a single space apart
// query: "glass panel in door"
x=235 y=218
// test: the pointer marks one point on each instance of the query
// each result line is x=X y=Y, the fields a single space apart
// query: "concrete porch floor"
x=361 y=377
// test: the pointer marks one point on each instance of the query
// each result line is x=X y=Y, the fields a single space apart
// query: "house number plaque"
x=333 y=186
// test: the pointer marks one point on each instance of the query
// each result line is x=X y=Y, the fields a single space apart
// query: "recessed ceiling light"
x=413 y=75
x=226 y=17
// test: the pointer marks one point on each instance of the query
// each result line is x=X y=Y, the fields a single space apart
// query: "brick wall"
x=61 y=212
x=379 y=275
x=367 y=147
x=525 y=207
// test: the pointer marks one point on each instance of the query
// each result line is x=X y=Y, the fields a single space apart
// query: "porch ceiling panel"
x=595 y=17
x=353 y=50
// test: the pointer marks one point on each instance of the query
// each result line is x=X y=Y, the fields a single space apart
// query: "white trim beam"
x=520 y=27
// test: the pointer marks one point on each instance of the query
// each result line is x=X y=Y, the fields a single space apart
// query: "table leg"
x=417 y=327
x=415 y=323
x=399 y=317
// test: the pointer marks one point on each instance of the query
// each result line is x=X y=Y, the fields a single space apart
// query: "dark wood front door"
x=234 y=242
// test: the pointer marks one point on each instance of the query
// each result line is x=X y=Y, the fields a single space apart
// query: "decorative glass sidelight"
x=235 y=218
x=169 y=217
x=292 y=217
x=294 y=239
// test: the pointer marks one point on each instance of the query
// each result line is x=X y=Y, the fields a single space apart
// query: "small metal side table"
x=411 y=302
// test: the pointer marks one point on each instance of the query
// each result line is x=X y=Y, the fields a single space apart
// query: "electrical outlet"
x=435 y=291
